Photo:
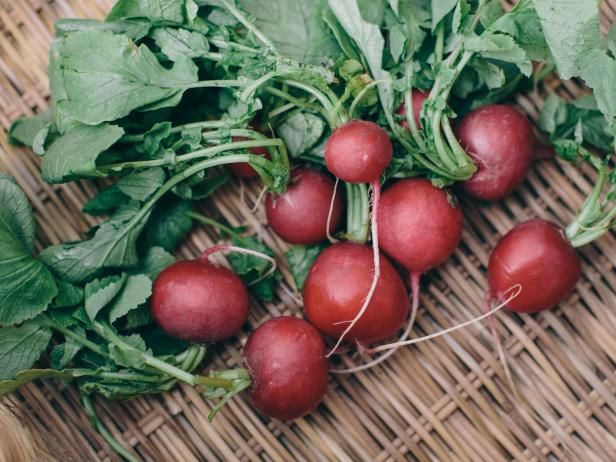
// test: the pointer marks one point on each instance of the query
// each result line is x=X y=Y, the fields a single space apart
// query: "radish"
x=243 y=169
x=420 y=227
x=501 y=141
x=285 y=358
x=335 y=291
x=418 y=98
x=300 y=215
x=536 y=255
x=359 y=152
x=199 y=301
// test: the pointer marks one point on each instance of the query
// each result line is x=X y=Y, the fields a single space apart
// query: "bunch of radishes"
x=353 y=293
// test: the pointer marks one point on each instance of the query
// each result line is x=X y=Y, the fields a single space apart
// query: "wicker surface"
x=447 y=399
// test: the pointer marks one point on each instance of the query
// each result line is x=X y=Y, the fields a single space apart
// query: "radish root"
x=376 y=197
x=204 y=258
x=331 y=238
x=517 y=290
x=415 y=305
x=259 y=200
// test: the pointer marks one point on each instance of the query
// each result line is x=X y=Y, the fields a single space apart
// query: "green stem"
x=296 y=101
x=239 y=15
x=210 y=222
x=49 y=322
x=358 y=212
x=214 y=84
x=206 y=152
x=178 y=129
x=104 y=432
x=130 y=376
x=320 y=96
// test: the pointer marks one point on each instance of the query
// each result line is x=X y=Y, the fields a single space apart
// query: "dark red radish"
x=199 y=301
x=243 y=169
x=544 y=151
x=537 y=256
x=336 y=289
x=418 y=98
x=285 y=358
x=300 y=214
x=420 y=226
x=500 y=140
x=359 y=152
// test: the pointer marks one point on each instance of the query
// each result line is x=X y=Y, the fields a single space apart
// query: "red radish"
x=501 y=141
x=199 y=301
x=336 y=288
x=537 y=256
x=300 y=214
x=243 y=169
x=359 y=152
x=285 y=358
x=544 y=151
x=418 y=98
x=420 y=227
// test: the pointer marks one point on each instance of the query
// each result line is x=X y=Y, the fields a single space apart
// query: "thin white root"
x=376 y=196
x=231 y=248
x=518 y=290
x=388 y=353
x=501 y=352
x=259 y=200
x=331 y=238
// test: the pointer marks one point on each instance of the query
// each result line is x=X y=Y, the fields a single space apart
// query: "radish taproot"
x=336 y=288
x=500 y=140
x=285 y=358
x=300 y=215
x=359 y=152
x=537 y=255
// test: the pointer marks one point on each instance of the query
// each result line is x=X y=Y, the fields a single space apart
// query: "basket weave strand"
x=447 y=399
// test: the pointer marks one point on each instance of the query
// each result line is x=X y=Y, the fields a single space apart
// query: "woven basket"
x=446 y=399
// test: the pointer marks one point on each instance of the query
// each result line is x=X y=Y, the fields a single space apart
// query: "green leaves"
x=104 y=77
x=136 y=291
x=178 y=43
x=73 y=155
x=572 y=31
x=369 y=41
x=179 y=11
x=112 y=246
x=301 y=258
x=23 y=131
x=169 y=223
x=21 y=347
x=440 y=9
x=300 y=132
x=26 y=286
x=501 y=47
x=100 y=292
x=141 y=185
x=295 y=28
